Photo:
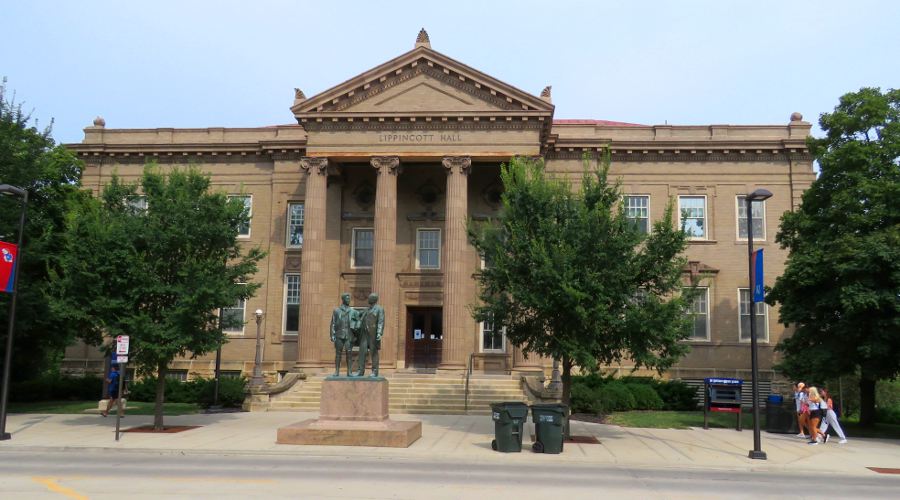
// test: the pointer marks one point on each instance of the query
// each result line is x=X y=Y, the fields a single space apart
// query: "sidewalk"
x=459 y=438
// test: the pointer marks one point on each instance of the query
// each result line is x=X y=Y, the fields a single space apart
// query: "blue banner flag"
x=759 y=293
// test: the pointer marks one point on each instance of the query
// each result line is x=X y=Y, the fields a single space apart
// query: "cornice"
x=683 y=155
x=176 y=157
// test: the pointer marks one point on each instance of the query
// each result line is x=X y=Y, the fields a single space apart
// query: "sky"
x=235 y=64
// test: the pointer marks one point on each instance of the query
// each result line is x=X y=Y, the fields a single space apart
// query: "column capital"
x=457 y=164
x=387 y=164
x=315 y=164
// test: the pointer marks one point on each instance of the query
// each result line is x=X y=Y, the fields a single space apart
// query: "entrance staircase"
x=420 y=393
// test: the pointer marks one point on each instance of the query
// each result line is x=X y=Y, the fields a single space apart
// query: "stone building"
x=369 y=190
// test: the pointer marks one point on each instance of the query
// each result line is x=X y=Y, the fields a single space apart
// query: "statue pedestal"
x=353 y=412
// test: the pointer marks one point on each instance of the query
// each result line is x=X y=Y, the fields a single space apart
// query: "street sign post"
x=122 y=342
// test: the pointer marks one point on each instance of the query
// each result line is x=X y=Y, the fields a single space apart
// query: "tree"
x=841 y=285
x=157 y=268
x=570 y=277
x=30 y=159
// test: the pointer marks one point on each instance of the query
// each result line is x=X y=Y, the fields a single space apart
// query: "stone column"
x=312 y=268
x=457 y=342
x=384 y=266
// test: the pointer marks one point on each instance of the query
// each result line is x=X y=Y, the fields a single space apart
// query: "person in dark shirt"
x=113 y=390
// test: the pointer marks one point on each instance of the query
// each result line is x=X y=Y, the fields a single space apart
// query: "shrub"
x=677 y=396
x=56 y=387
x=177 y=391
x=591 y=380
x=888 y=414
x=584 y=399
x=231 y=392
x=615 y=396
x=645 y=397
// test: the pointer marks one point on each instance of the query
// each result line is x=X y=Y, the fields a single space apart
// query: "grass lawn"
x=685 y=419
x=134 y=407
x=676 y=419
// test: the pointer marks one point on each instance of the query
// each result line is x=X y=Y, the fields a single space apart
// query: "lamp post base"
x=5 y=436
x=757 y=455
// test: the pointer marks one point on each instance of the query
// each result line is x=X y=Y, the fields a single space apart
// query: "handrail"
x=468 y=375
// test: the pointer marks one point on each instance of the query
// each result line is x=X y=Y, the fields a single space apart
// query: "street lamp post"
x=4 y=398
x=757 y=195
x=257 y=381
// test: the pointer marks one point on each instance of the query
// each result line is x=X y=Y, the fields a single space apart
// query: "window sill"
x=702 y=242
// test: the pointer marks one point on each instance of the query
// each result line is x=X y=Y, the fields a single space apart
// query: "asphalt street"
x=80 y=474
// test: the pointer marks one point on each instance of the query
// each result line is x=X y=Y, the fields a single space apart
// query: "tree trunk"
x=567 y=390
x=866 y=401
x=160 y=397
x=567 y=381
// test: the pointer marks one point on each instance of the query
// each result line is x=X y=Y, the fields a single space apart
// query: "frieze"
x=698 y=156
x=179 y=157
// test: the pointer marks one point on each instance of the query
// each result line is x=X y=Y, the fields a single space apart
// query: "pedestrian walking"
x=802 y=407
x=112 y=382
x=817 y=409
x=831 y=420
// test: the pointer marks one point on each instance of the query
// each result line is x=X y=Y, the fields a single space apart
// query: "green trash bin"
x=509 y=420
x=550 y=421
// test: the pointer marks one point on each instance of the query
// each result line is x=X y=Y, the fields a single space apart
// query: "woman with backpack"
x=817 y=410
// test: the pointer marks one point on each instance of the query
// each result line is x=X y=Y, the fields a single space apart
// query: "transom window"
x=759 y=218
x=699 y=309
x=362 y=247
x=428 y=249
x=244 y=226
x=637 y=211
x=493 y=339
x=295 y=225
x=693 y=216
x=233 y=317
x=291 y=304
x=762 y=317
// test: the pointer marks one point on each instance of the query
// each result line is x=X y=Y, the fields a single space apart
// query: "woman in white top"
x=831 y=419
x=800 y=403
x=817 y=409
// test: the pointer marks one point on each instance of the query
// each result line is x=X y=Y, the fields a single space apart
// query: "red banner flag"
x=8 y=253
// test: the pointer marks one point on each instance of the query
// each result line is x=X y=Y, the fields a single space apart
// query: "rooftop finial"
x=299 y=96
x=422 y=40
x=545 y=94
x=796 y=117
x=99 y=122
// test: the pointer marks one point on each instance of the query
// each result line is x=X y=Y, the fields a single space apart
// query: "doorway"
x=424 y=337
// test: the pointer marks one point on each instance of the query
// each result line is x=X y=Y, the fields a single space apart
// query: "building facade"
x=370 y=190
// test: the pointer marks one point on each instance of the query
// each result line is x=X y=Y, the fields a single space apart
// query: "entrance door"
x=424 y=337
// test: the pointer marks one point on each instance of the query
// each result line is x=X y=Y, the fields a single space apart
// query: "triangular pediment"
x=422 y=82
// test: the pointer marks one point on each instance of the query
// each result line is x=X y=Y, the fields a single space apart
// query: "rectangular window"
x=428 y=249
x=637 y=211
x=137 y=203
x=295 y=225
x=362 y=247
x=693 y=216
x=229 y=374
x=244 y=227
x=759 y=218
x=181 y=375
x=291 y=304
x=233 y=317
x=700 y=312
x=762 y=317
x=492 y=338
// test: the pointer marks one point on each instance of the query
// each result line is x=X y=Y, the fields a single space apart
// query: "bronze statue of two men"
x=347 y=325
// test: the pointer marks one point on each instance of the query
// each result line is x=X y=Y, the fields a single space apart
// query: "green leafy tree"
x=159 y=272
x=841 y=285
x=570 y=277
x=30 y=159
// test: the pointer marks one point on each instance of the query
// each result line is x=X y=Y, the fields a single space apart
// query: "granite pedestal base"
x=353 y=412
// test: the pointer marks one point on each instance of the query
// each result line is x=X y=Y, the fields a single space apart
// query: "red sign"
x=8 y=254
